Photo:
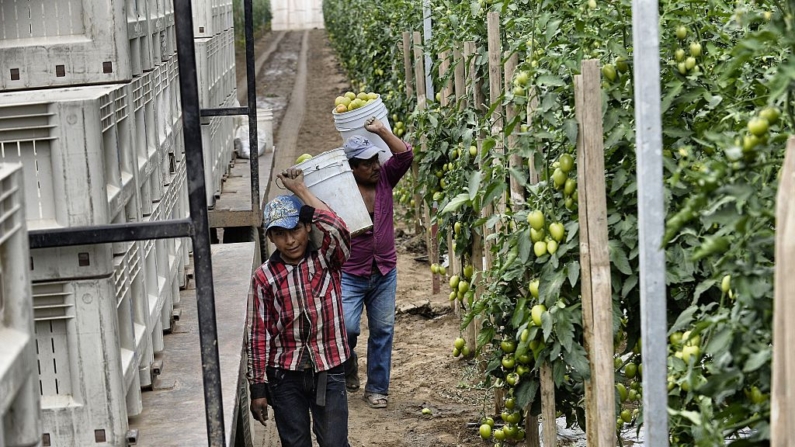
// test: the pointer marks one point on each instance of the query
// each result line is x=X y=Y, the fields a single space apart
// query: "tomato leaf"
x=525 y=392
x=573 y=271
x=520 y=312
x=756 y=360
x=546 y=324
x=572 y=228
x=703 y=287
x=456 y=203
x=549 y=80
x=684 y=319
x=474 y=183
x=564 y=329
x=618 y=258
x=525 y=246
x=720 y=341
x=629 y=284
x=576 y=359
x=570 y=127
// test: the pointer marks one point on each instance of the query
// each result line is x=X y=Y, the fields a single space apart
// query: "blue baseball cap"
x=360 y=147
x=282 y=212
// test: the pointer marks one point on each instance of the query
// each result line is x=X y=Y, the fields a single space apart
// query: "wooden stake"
x=515 y=160
x=477 y=241
x=407 y=64
x=591 y=407
x=594 y=245
x=782 y=410
x=419 y=76
x=550 y=428
x=460 y=80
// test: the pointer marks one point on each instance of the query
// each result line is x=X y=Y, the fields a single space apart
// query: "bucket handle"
x=316 y=168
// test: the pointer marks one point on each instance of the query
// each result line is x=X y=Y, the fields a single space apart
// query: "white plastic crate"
x=19 y=401
x=139 y=34
x=76 y=147
x=77 y=325
x=206 y=71
x=210 y=17
x=49 y=43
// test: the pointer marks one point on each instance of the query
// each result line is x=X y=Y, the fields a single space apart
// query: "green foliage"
x=261 y=19
x=726 y=114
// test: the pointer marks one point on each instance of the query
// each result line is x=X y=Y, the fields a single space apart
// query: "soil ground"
x=424 y=373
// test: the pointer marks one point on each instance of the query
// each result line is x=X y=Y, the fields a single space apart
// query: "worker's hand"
x=292 y=178
x=259 y=409
x=375 y=126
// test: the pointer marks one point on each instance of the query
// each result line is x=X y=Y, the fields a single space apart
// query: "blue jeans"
x=292 y=396
x=377 y=294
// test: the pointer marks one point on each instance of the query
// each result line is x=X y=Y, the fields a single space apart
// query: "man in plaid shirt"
x=296 y=340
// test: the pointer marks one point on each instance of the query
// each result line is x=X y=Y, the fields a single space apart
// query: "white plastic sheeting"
x=296 y=14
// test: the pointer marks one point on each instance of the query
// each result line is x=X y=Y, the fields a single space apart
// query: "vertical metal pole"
x=253 y=144
x=651 y=213
x=426 y=38
x=208 y=336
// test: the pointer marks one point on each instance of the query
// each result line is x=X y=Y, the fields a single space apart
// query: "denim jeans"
x=292 y=396
x=377 y=294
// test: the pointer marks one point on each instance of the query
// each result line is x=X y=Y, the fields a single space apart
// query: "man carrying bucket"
x=369 y=277
x=296 y=340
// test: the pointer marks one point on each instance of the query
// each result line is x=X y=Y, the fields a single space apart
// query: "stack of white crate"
x=215 y=69
x=103 y=144
x=19 y=401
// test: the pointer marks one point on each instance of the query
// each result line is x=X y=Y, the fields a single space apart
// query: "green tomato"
x=557 y=231
x=609 y=72
x=690 y=63
x=695 y=49
x=536 y=313
x=681 y=32
x=540 y=248
x=570 y=186
x=508 y=346
x=771 y=114
x=679 y=55
x=552 y=247
x=485 y=431
x=533 y=288
x=566 y=162
x=631 y=370
x=758 y=126
x=459 y=343
x=559 y=177
x=726 y=284
x=621 y=64
x=536 y=220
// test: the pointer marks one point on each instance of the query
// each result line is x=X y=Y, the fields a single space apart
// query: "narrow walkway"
x=173 y=414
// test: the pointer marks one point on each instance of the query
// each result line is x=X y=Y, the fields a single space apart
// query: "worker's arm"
x=293 y=180
x=395 y=144
x=257 y=350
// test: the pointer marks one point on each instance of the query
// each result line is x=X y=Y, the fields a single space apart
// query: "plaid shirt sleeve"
x=336 y=245
x=256 y=338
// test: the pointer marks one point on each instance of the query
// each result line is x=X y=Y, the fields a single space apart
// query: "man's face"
x=367 y=172
x=290 y=243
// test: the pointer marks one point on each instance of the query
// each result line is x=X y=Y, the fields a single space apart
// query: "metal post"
x=426 y=38
x=251 y=74
x=208 y=336
x=651 y=213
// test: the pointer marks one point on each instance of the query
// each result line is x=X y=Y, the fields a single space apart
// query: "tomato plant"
x=726 y=74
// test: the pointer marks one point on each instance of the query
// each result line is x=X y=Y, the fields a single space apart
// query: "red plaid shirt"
x=293 y=308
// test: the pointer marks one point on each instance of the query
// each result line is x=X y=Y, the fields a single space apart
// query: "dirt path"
x=424 y=373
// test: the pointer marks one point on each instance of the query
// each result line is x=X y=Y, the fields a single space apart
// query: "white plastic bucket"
x=351 y=123
x=265 y=122
x=331 y=180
